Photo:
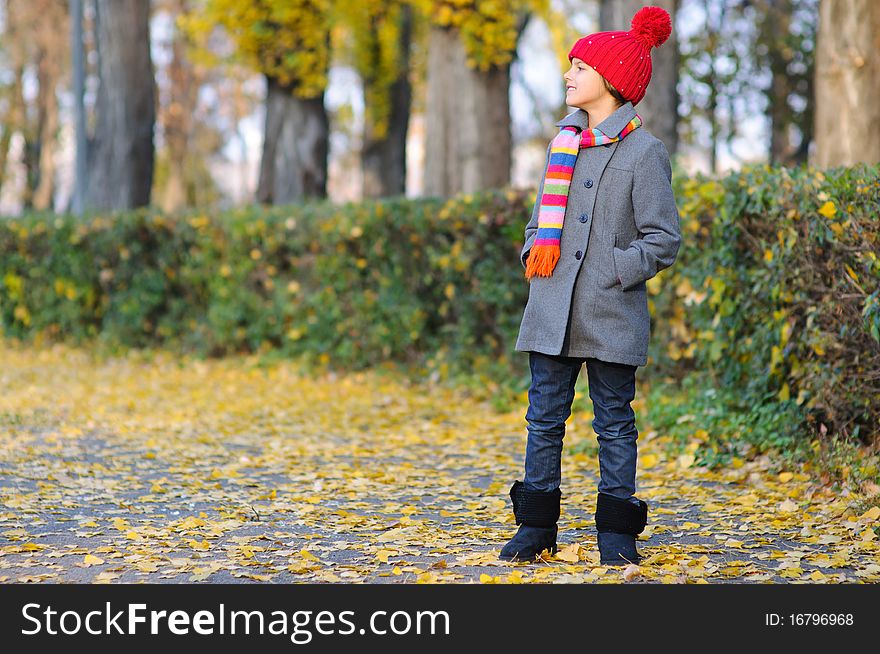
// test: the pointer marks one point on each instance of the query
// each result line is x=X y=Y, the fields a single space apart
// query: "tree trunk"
x=712 y=114
x=78 y=62
x=47 y=107
x=295 y=143
x=178 y=118
x=806 y=124
x=122 y=152
x=12 y=120
x=384 y=158
x=659 y=107
x=778 y=24
x=468 y=142
x=847 y=83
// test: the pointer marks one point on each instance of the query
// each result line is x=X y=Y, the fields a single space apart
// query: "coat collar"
x=611 y=126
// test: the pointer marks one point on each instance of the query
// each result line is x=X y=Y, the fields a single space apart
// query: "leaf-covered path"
x=151 y=468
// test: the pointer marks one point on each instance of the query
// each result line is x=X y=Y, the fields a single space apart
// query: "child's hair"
x=613 y=91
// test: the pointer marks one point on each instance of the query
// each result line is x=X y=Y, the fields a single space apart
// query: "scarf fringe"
x=541 y=260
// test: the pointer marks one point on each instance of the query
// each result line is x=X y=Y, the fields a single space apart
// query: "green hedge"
x=421 y=282
x=774 y=297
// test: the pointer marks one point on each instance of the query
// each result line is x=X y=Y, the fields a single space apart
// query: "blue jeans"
x=612 y=387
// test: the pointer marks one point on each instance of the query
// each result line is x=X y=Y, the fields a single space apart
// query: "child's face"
x=583 y=85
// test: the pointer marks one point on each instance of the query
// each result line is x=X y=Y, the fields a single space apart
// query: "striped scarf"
x=564 y=149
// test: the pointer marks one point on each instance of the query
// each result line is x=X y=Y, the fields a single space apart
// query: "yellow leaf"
x=191 y=522
x=731 y=542
x=631 y=572
x=570 y=554
x=308 y=556
x=648 y=460
x=784 y=392
x=147 y=566
x=686 y=460
x=788 y=506
x=383 y=555
x=828 y=209
x=851 y=273
x=299 y=567
x=816 y=575
x=785 y=477
x=871 y=514
x=396 y=570
x=515 y=577
x=768 y=255
x=89 y=559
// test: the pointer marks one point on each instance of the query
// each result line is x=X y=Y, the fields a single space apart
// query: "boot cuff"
x=620 y=516
x=535 y=508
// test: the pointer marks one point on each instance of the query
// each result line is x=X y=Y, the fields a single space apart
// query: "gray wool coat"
x=621 y=228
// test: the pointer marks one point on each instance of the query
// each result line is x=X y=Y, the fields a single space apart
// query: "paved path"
x=160 y=470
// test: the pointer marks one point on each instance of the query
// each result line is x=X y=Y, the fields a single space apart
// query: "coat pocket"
x=622 y=241
x=611 y=279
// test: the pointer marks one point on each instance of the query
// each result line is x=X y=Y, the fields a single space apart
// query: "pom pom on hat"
x=651 y=26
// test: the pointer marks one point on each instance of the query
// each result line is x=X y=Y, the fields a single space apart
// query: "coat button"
x=578 y=255
x=584 y=218
x=589 y=183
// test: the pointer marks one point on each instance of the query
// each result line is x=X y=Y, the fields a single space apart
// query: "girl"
x=604 y=222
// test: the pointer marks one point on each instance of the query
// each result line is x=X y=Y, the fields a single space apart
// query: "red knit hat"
x=624 y=58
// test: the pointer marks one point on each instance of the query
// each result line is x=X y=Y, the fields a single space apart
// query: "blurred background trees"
x=224 y=103
x=35 y=54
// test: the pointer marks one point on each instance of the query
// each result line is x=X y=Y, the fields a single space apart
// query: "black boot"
x=537 y=513
x=618 y=522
